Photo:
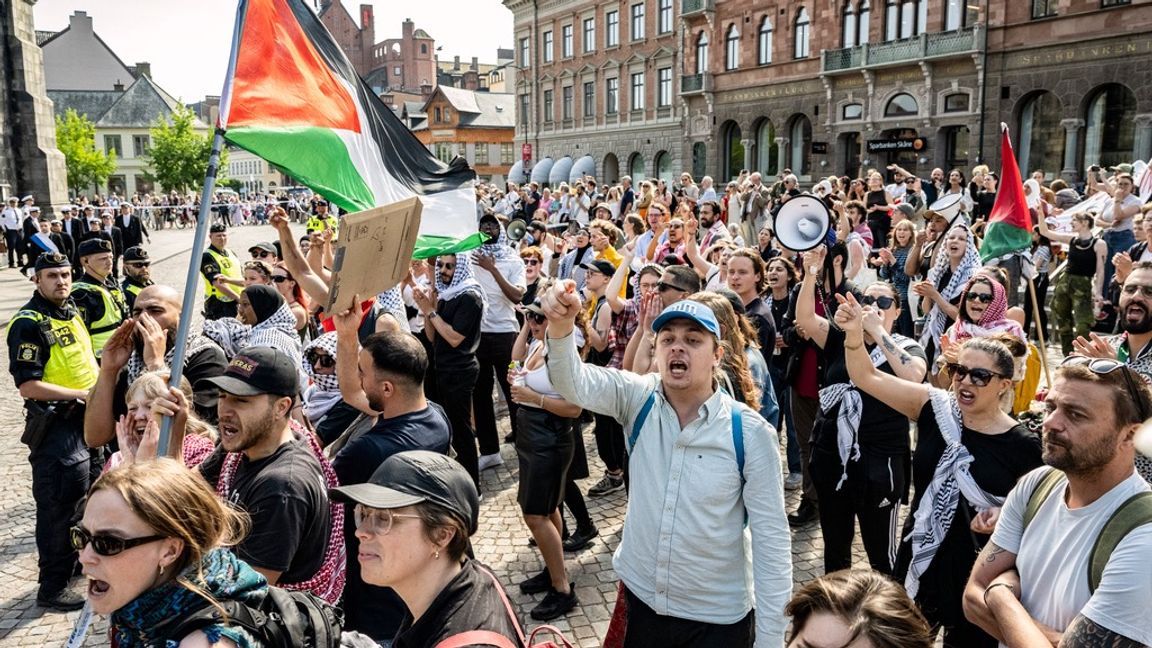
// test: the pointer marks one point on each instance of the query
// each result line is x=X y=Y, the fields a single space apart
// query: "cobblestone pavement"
x=501 y=541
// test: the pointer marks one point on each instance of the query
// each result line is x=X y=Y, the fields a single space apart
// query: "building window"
x=848 y=28
x=863 y=18
x=891 y=20
x=637 y=98
x=1110 y=126
x=961 y=13
x=612 y=97
x=902 y=105
x=140 y=145
x=566 y=41
x=1041 y=138
x=905 y=18
x=423 y=48
x=637 y=24
x=507 y=153
x=664 y=87
x=481 y=157
x=764 y=42
x=397 y=70
x=589 y=35
x=436 y=114
x=702 y=53
x=547 y=46
x=443 y=152
x=589 y=99
x=1043 y=8
x=524 y=52
x=525 y=108
x=1104 y=4
x=732 y=48
x=664 y=17
x=957 y=102
x=852 y=111
x=803 y=26
x=548 y=107
x=566 y=102
x=112 y=144
x=612 y=33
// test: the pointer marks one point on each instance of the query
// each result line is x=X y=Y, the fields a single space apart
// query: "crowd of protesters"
x=887 y=374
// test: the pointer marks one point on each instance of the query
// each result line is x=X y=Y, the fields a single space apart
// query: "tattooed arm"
x=993 y=562
x=904 y=364
x=1086 y=633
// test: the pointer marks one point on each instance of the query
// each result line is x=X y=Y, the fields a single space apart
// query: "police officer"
x=52 y=363
x=321 y=220
x=137 y=274
x=98 y=297
x=219 y=264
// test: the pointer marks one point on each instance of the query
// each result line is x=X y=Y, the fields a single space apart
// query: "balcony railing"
x=904 y=50
x=692 y=84
x=693 y=7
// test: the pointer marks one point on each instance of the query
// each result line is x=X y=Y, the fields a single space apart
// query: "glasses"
x=664 y=287
x=377 y=521
x=983 y=298
x=537 y=318
x=1105 y=366
x=106 y=545
x=1132 y=289
x=978 y=376
x=676 y=226
x=261 y=255
x=140 y=264
x=531 y=262
x=325 y=360
x=883 y=303
x=279 y=278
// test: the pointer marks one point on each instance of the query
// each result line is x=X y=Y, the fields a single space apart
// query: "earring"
x=161 y=570
x=436 y=556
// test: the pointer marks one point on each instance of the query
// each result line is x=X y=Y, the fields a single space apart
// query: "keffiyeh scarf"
x=278 y=332
x=936 y=320
x=324 y=392
x=993 y=320
x=952 y=479
x=498 y=249
x=196 y=343
x=391 y=301
x=462 y=280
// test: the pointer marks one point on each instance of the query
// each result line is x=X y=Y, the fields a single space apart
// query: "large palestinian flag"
x=295 y=100
x=1009 y=230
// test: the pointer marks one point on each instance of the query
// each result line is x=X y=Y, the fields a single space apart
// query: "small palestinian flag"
x=1009 y=229
x=295 y=100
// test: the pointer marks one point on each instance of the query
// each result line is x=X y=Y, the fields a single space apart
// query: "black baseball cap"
x=93 y=246
x=52 y=260
x=600 y=265
x=259 y=370
x=416 y=476
x=136 y=253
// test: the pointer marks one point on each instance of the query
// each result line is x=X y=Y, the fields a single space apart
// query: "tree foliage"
x=178 y=157
x=76 y=138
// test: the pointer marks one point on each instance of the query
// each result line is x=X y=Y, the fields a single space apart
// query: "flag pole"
x=1039 y=332
x=202 y=224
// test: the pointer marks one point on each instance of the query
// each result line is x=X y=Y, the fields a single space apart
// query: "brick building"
x=596 y=88
x=406 y=64
x=478 y=126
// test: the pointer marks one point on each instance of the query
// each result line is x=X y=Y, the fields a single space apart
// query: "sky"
x=187 y=42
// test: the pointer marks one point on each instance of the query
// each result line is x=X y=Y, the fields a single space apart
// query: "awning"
x=559 y=172
x=541 y=170
x=516 y=173
x=584 y=166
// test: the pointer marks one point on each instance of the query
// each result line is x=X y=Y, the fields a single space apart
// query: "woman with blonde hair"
x=153 y=546
x=856 y=607
x=645 y=199
x=196 y=437
x=734 y=334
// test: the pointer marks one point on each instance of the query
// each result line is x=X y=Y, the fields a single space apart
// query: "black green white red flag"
x=295 y=100
x=1009 y=230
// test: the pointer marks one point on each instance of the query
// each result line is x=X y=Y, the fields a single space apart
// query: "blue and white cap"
x=691 y=310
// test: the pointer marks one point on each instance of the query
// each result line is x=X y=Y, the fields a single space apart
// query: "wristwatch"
x=432 y=315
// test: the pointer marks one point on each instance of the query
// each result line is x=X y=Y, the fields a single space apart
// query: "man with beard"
x=146 y=342
x=100 y=300
x=674 y=246
x=389 y=370
x=1068 y=561
x=137 y=273
x=51 y=360
x=714 y=228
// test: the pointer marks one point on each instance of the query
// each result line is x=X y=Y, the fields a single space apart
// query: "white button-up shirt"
x=685 y=551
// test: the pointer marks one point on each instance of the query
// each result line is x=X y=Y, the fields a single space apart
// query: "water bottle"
x=517 y=373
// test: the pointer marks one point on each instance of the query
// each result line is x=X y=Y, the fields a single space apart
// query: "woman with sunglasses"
x=153 y=546
x=966 y=445
x=293 y=295
x=955 y=260
x=983 y=309
x=859 y=444
x=1076 y=292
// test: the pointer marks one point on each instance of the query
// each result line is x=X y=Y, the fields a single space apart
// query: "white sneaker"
x=490 y=461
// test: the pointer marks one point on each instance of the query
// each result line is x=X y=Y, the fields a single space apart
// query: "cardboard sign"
x=373 y=252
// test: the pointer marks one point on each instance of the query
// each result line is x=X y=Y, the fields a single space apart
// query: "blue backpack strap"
x=639 y=422
x=738 y=437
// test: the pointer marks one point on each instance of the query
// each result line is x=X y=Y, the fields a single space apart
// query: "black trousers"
x=646 y=628
x=494 y=355
x=1041 y=282
x=859 y=499
x=58 y=488
x=609 y=442
x=12 y=240
x=457 y=386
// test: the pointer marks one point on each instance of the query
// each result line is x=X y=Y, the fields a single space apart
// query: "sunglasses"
x=1145 y=291
x=1105 y=366
x=531 y=261
x=663 y=287
x=978 y=376
x=279 y=278
x=140 y=264
x=883 y=303
x=325 y=360
x=983 y=298
x=537 y=318
x=106 y=545
x=445 y=266
x=261 y=255
x=676 y=226
x=377 y=521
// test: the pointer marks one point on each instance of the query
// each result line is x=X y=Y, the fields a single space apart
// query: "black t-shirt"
x=372 y=610
x=286 y=496
x=463 y=313
x=765 y=322
x=779 y=310
x=469 y=602
x=883 y=431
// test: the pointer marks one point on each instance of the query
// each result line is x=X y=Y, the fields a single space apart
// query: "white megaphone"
x=948 y=207
x=516 y=229
x=803 y=223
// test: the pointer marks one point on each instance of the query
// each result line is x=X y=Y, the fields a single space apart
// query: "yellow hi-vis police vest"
x=71 y=361
x=114 y=310
x=229 y=267
x=315 y=223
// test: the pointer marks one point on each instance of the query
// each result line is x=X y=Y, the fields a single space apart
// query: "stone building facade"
x=596 y=89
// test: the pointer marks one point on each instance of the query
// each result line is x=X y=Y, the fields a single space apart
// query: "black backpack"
x=284 y=619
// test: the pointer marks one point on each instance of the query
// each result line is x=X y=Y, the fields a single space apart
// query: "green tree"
x=178 y=156
x=76 y=139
